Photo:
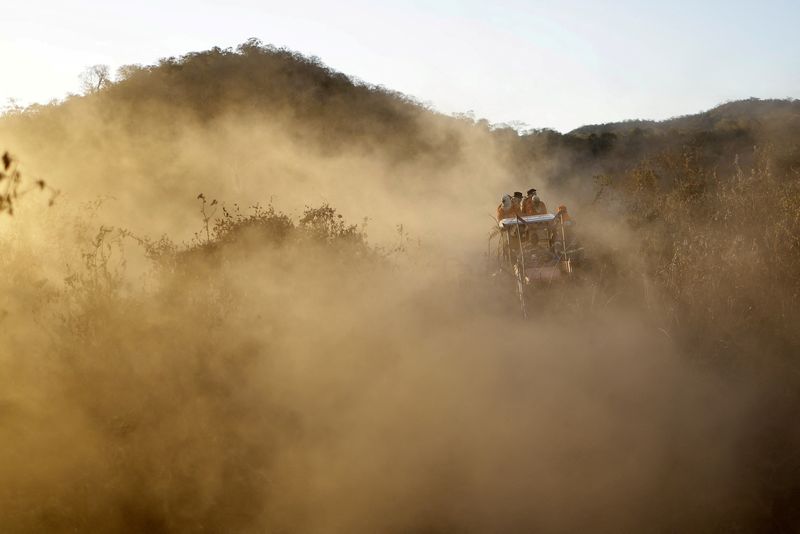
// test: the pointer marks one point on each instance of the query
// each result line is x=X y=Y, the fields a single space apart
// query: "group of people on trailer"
x=519 y=206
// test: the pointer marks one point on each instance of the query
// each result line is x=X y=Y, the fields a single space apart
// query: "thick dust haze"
x=283 y=373
x=298 y=388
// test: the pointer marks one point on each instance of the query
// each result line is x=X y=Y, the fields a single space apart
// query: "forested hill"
x=335 y=110
x=729 y=134
x=741 y=114
x=247 y=108
x=310 y=101
x=715 y=137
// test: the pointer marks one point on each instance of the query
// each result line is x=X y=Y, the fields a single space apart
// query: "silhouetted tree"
x=94 y=78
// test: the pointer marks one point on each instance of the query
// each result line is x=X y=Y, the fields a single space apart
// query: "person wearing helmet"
x=562 y=213
x=534 y=205
x=518 y=200
x=527 y=203
x=507 y=208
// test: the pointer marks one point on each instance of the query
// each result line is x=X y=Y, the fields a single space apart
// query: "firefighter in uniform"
x=507 y=208
x=532 y=205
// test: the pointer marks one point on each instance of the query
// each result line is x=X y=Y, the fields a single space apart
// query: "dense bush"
x=723 y=249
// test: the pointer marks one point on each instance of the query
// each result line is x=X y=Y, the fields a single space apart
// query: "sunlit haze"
x=546 y=64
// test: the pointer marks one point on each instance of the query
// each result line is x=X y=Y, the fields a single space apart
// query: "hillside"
x=310 y=101
x=310 y=104
x=743 y=113
x=258 y=122
x=183 y=116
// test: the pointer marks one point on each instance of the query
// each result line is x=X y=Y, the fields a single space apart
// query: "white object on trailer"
x=529 y=219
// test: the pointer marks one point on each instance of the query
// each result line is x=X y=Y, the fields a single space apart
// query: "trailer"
x=534 y=251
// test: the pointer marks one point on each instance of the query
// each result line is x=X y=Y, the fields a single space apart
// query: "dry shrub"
x=286 y=376
x=724 y=250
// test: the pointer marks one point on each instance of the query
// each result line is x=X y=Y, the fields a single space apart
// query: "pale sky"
x=558 y=64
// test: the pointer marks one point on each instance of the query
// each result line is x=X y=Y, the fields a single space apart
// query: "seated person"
x=507 y=208
x=538 y=206
x=532 y=205
x=527 y=203
x=518 y=201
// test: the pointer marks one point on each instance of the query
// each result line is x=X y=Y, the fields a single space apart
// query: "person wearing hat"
x=527 y=204
x=532 y=205
x=518 y=201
